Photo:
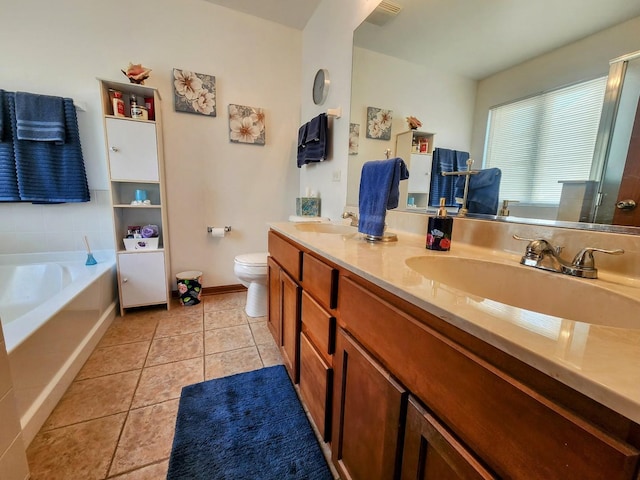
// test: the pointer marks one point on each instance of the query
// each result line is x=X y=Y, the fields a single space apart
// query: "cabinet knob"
x=114 y=149
x=125 y=280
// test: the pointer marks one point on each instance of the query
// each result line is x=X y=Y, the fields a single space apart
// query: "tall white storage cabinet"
x=135 y=161
x=416 y=149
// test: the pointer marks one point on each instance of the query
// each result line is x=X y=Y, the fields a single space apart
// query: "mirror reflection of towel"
x=379 y=192
x=484 y=191
x=445 y=160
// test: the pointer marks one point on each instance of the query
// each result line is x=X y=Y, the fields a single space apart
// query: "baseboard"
x=217 y=290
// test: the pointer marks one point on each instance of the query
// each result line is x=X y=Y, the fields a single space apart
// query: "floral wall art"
x=354 y=138
x=246 y=125
x=194 y=92
x=379 y=123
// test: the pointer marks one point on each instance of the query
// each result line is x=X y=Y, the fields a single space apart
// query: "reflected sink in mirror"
x=326 y=228
x=596 y=302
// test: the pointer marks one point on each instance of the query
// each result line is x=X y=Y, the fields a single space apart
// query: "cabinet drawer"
x=319 y=326
x=517 y=432
x=320 y=280
x=287 y=255
x=316 y=386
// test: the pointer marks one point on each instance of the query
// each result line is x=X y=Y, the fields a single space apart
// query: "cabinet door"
x=316 y=386
x=290 y=298
x=368 y=406
x=142 y=279
x=132 y=150
x=432 y=453
x=420 y=176
x=274 y=318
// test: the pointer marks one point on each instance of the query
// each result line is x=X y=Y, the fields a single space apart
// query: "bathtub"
x=54 y=309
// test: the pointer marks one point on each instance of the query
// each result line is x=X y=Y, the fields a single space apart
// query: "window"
x=541 y=140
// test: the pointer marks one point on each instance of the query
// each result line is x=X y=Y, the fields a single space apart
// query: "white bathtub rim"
x=20 y=329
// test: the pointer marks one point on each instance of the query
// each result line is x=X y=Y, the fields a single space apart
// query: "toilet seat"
x=252 y=259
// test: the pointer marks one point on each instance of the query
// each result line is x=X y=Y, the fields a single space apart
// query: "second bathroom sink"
x=590 y=301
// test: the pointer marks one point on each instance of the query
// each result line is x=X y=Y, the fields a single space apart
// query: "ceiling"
x=474 y=38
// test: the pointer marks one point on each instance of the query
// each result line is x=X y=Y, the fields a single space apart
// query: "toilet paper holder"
x=227 y=229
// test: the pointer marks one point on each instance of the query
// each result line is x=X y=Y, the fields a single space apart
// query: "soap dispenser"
x=439 y=229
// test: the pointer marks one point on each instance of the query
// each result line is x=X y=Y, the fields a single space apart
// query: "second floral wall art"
x=194 y=92
x=379 y=123
x=246 y=125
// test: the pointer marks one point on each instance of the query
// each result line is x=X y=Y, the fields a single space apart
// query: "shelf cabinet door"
x=132 y=149
x=142 y=278
x=368 y=414
x=420 y=176
x=432 y=453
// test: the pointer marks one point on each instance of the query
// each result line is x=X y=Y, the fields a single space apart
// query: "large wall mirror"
x=448 y=63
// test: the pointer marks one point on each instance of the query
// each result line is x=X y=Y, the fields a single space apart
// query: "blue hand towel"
x=445 y=160
x=8 y=177
x=315 y=145
x=1 y=115
x=51 y=173
x=379 y=192
x=40 y=117
x=484 y=191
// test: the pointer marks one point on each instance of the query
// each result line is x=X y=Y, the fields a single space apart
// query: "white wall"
x=328 y=43
x=60 y=48
x=442 y=102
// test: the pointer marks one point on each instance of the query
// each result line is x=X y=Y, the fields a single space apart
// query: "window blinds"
x=541 y=140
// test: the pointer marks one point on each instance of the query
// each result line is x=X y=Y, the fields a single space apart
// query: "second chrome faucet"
x=541 y=254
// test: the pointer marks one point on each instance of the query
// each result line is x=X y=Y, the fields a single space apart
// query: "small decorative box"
x=308 y=206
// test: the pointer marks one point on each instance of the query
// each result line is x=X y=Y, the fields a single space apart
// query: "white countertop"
x=601 y=362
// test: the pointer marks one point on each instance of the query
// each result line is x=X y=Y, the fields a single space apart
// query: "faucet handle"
x=538 y=245
x=584 y=258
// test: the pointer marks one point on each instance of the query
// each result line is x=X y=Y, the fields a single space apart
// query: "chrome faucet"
x=352 y=216
x=541 y=254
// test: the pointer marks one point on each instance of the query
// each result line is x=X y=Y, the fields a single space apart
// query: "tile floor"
x=117 y=418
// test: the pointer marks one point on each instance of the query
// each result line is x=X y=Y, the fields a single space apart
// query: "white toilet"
x=251 y=270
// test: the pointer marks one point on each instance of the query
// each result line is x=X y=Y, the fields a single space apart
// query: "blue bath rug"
x=246 y=426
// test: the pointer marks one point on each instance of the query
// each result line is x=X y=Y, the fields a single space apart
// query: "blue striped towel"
x=40 y=117
x=313 y=145
x=8 y=179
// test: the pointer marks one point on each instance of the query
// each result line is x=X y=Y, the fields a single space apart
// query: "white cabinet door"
x=142 y=278
x=132 y=149
x=419 y=173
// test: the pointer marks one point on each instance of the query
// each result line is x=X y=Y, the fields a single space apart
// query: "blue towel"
x=8 y=177
x=445 y=160
x=51 y=173
x=379 y=192
x=484 y=191
x=313 y=140
x=40 y=117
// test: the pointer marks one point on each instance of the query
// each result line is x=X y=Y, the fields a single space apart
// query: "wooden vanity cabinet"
x=368 y=415
x=431 y=452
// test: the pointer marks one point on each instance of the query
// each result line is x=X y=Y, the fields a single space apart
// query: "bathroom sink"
x=326 y=228
x=591 y=301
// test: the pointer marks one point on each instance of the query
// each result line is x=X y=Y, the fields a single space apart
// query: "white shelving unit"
x=419 y=164
x=135 y=162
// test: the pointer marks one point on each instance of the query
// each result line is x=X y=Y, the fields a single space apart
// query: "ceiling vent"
x=383 y=13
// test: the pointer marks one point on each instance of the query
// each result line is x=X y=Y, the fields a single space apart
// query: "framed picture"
x=246 y=125
x=379 y=123
x=194 y=92
x=354 y=138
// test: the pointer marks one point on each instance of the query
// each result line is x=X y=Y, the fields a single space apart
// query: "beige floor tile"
x=226 y=301
x=261 y=333
x=270 y=354
x=179 y=325
x=146 y=438
x=257 y=319
x=81 y=451
x=229 y=338
x=94 y=398
x=164 y=382
x=224 y=318
x=229 y=363
x=128 y=329
x=157 y=471
x=173 y=349
x=115 y=359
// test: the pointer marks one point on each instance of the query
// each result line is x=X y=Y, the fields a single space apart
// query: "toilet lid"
x=254 y=259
